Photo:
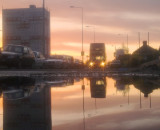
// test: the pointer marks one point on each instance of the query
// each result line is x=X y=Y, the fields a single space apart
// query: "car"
x=54 y=63
x=14 y=88
x=18 y=56
x=16 y=94
x=39 y=59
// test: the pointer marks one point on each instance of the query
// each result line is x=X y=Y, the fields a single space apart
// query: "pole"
x=82 y=51
x=83 y=88
x=150 y=101
x=148 y=38
x=82 y=39
x=127 y=41
x=140 y=101
x=94 y=34
x=44 y=46
x=139 y=39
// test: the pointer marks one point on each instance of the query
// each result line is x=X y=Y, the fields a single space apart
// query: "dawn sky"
x=112 y=20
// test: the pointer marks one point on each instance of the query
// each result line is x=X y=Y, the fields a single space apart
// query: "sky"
x=111 y=20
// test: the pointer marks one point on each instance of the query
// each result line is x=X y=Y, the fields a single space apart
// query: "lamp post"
x=43 y=30
x=93 y=32
x=1 y=41
x=82 y=51
x=123 y=36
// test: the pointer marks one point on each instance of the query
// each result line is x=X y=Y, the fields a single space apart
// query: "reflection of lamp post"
x=83 y=88
x=93 y=33
x=150 y=101
x=1 y=42
x=82 y=52
x=140 y=100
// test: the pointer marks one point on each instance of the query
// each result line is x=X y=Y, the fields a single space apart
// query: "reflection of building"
x=146 y=86
x=121 y=83
x=31 y=113
x=25 y=26
x=98 y=87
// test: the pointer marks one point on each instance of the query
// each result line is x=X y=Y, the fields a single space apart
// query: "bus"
x=97 y=55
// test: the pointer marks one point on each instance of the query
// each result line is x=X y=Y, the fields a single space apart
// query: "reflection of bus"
x=97 y=55
x=98 y=87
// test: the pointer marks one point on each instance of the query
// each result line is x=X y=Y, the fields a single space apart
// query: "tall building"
x=26 y=26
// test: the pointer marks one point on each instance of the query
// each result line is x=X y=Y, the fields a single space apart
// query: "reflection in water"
x=83 y=89
x=98 y=87
x=122 y=84
x=24 y=108
x=16 y=88
x=59 y=82
x=145 y=85
x=27 y=103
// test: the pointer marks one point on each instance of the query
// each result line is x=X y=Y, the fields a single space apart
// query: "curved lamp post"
x=82 y=51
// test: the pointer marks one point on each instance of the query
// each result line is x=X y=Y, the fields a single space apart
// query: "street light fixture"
x=82 y=52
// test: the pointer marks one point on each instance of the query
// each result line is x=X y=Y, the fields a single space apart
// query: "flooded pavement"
x=92 y=103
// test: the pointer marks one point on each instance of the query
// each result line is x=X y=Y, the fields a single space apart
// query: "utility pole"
x=43 y=35
x=127 y=41
x=139 y=38
x=148 y=38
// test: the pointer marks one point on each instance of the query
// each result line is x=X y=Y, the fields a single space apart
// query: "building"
x=121 y=51
x=146 y=53
x=26 y=26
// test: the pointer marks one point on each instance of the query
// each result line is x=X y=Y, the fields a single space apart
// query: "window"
x=99 y=82
x=17 y=49
x=99 y=58
x=25 y=50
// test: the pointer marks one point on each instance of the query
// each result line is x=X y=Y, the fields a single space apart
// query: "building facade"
x=29 y=27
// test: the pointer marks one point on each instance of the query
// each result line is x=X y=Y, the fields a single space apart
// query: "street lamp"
x=82 y=52
x=93 y=32
x=43 y=30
